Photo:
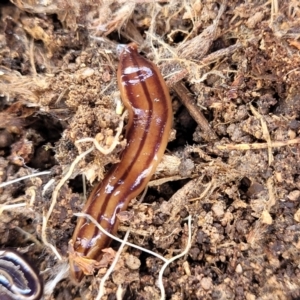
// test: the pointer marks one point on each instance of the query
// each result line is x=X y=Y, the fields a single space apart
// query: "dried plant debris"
x=232 y=162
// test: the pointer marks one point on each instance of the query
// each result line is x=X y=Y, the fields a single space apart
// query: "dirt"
x=232 y=163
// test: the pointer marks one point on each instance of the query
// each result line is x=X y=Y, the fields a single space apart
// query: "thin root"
x=54 y=200
x=112 y=266
x=114 y=143
x=166 y=261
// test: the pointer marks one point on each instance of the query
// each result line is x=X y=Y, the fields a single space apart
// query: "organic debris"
x=232 y=163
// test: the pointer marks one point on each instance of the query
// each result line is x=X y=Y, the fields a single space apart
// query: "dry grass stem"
x=265 y=132
x=210 y=187
x=199 y=45
x=254 y=146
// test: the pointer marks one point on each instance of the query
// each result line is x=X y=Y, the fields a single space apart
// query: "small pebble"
x=133 y=262
x=206 y=283
x=239 y=269
x=6 y=139
x=294 y=195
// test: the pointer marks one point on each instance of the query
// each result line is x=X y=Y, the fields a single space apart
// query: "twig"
x=210 y=187
x=258 y=145
x=214 y=56
x=198 y=46
x=186 y=98
x=160 y=181
x=274 y=10
x=31 y=57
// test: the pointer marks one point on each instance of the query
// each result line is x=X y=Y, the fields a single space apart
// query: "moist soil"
x=232 y=162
